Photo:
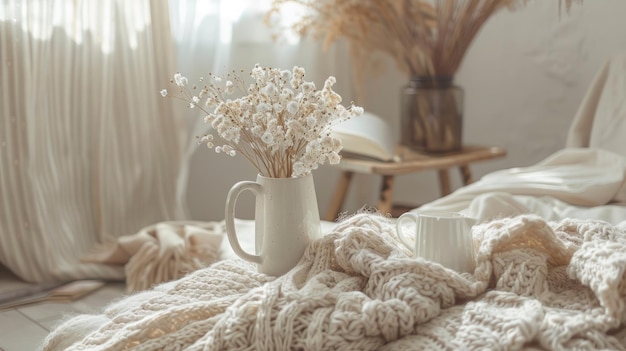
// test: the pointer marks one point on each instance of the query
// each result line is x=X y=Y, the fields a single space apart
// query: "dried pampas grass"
x=424 y=38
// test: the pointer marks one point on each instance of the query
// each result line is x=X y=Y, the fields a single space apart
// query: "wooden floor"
x=25 y=328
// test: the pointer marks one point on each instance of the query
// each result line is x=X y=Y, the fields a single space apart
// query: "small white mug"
x=440 y=236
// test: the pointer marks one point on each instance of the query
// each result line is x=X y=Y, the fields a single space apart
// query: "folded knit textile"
x=161 y=252
x=537 y=286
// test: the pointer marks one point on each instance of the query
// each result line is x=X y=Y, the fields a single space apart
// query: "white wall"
x=524 y=77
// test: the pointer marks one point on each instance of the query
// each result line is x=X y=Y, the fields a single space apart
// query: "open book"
x=366 y=135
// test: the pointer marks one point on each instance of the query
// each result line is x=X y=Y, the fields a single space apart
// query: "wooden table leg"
x=340 y=196
x=385 y=202
x=444 y=182
x=466 y=174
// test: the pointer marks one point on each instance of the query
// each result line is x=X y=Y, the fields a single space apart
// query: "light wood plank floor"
x=25 y=328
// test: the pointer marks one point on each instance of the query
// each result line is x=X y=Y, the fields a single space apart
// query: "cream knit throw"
x=161 y=252
x=537 y=285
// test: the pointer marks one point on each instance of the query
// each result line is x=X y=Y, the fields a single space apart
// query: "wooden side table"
x=408 y=161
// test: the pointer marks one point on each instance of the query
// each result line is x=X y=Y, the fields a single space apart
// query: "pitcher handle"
x=414 y=217
x=231 y=202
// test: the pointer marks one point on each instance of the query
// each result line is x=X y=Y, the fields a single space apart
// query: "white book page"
x=366 y=135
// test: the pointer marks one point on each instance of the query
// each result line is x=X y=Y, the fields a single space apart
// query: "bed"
x=550 y=250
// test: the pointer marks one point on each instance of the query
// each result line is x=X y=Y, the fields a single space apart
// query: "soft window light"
x=77 y=19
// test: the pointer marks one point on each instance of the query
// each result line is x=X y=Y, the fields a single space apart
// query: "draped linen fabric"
x=89 y=150
x=601 y=118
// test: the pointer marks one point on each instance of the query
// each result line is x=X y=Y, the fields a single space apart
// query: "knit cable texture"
x=537 y=286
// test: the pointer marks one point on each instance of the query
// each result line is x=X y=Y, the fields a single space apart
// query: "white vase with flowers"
x=281 y=123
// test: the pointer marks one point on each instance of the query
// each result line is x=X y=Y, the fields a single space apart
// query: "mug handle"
x=231 y=202
x=414 y=217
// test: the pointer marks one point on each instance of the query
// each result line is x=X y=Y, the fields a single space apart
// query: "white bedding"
x=581 y=183
x=537 y=286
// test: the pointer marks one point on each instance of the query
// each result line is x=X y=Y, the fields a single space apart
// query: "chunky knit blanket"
x=537 y=286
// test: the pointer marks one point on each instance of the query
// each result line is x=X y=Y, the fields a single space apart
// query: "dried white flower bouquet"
x=281 y=124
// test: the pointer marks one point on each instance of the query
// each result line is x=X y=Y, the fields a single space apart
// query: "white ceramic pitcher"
x=286 y=221
x=439 y=236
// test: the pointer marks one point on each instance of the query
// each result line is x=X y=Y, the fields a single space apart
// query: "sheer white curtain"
x=89 y=150
x=88 y=147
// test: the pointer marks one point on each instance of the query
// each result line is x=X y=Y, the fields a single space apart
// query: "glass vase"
x=432 y=115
